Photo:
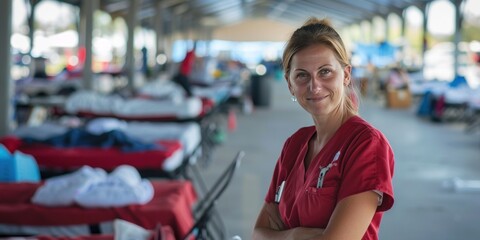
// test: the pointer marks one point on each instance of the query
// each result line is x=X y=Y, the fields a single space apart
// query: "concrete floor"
x=428 y=156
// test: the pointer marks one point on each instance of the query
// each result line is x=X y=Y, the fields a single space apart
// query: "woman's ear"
x=348 y=75
x=290 y=88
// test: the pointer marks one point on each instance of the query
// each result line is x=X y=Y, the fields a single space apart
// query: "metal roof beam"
x=331 y=12
x=337 y=9
x=214 y=9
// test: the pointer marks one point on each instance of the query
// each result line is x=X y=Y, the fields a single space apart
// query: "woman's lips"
x=317 y=98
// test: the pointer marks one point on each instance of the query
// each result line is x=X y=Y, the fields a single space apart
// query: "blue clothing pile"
x=78 y=137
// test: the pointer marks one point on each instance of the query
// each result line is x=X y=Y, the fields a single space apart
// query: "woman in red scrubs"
x=332 y=180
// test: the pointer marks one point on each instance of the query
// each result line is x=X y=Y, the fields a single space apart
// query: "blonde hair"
x=320 y=31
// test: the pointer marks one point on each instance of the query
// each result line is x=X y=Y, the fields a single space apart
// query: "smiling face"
x=318 y=80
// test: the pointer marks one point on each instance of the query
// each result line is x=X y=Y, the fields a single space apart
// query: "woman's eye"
x=325 y=71
x=302 y=76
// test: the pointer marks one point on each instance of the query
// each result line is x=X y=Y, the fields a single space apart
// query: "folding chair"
x=206 y=206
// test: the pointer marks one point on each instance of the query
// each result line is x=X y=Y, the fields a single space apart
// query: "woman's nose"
x=315 y=85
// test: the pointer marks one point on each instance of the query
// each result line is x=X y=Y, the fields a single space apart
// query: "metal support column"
x=457 y=38
x=88 y=9
x=31 y=27
x=6 y=84
x=208 y=40
x=424 y=9
x=130 y=55
x=387 y=29
x=160 y=32
x=169 y=40
x=403 y=29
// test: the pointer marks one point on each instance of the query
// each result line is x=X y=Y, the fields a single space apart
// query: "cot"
x=171 y=206
x=174 y=204
x=179 y=144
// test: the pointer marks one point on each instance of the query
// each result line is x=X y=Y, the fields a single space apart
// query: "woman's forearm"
x=269 y=225
x=299 y=233
x=268 y=233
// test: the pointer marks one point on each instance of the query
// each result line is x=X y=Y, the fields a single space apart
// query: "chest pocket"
x=317 y=204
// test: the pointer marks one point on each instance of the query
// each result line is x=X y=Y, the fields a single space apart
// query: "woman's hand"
x=270 y=226
x=350 y=220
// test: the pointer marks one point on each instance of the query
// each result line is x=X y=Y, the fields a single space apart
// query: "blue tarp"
x=380 y=54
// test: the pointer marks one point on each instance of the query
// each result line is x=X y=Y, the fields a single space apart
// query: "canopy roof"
x=217 y=13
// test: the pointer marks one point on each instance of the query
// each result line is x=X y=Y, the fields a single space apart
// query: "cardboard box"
x=399 y=98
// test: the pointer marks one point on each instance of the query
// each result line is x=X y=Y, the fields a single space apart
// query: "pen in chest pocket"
x=278 y=194
x=323 y=171
x=321 y=175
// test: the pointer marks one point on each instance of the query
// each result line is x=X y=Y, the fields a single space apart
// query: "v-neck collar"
x=318 y=159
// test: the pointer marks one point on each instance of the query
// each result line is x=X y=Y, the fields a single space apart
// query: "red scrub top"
x=187 y=64
x=361 y=160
